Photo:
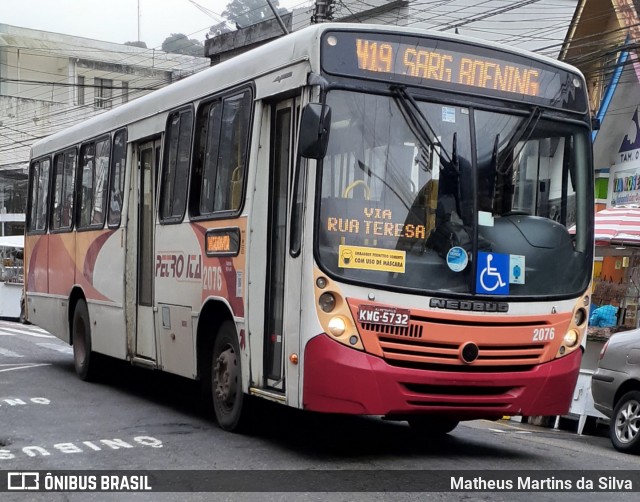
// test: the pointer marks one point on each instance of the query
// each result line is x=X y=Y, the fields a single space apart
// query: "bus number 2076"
x=542 y=334
x=212 y=279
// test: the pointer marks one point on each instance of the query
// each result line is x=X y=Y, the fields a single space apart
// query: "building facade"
x=49 y=81
x=603 y=43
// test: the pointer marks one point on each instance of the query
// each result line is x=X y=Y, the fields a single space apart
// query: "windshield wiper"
x=527 y=127
x=419 y=124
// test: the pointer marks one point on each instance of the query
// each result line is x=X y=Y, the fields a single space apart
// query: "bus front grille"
x=415 y=346
x=414 y=330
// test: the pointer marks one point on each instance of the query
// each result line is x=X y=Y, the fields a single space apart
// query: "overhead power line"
x=472 y=19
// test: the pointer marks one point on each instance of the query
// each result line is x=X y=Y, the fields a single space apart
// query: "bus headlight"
x=571 y=338
x=327 y=302
x=580 y=317
x=337 y=326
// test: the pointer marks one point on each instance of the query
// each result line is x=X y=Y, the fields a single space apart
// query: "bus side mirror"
x=314 y=131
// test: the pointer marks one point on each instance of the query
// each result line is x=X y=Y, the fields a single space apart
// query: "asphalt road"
x=134 y=419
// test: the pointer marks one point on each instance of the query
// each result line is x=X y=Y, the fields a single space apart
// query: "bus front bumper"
x=338 y=379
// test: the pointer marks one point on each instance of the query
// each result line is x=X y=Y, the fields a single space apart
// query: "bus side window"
x=175 y=172
x=116 y=178
x=232 y=154
x=98 y=212
x=210 y=157
x=64 y=170
x=56 y=210
x=85 y=184
x=92 y=177
x=39 y=196
x=68 y=191
x=221 y=153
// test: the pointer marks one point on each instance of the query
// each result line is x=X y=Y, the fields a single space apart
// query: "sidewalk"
x=592 y=427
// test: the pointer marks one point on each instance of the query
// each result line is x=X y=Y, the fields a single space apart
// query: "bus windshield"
x=411 y=191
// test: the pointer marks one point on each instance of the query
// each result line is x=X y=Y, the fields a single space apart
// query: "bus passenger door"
x=283 y=272
x=148 y=156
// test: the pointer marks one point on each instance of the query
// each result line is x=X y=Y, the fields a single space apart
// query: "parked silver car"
x=616 y=389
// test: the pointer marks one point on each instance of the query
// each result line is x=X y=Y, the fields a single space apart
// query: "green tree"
x=140 y=44
x=219 y=29
x=178 y=43
x=246 y=12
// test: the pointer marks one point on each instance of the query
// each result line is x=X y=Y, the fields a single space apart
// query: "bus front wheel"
x=226 y=379
x=433 y=426
x=84 y=359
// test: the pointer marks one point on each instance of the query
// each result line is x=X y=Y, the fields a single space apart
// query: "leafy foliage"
x=219 y=29
x=179 y=43
x=139 y=43
x=246 y=12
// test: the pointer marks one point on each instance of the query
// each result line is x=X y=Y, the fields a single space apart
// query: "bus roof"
x=297 y=46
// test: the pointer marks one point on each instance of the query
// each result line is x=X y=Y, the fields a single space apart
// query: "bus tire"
x=23 y=311
x=433 y=426
x=225 y=378
x=624 y=428
x=85 y=361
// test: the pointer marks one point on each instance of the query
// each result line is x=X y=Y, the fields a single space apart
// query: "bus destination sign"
x=443 y=64
x=222 y=242
x=447 y=66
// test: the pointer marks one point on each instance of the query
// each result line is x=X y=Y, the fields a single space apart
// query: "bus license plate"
x=389 y=316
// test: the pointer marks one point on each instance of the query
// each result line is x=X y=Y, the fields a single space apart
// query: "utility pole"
x=138 y=20
x=323 y=11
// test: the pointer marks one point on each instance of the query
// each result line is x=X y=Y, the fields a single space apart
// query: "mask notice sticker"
x=365 y=258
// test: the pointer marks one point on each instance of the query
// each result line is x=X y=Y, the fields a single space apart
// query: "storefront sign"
x=624 y=176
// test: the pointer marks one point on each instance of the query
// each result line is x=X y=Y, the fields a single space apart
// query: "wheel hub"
x=226 y=372
x=628 y=422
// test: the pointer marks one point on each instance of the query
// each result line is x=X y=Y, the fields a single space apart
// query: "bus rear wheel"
x=226 y=379
x=85 y=360
x=433 y=426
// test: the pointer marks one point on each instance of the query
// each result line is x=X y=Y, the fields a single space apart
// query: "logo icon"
x=631 y=140
x=493 y=274
x=457 y=259
x=516 y=269
x=21 y=481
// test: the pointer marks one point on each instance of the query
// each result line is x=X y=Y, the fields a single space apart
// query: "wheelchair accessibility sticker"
x=493 y=274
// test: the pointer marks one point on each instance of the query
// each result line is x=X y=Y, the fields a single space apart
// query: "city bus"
x=353 y=219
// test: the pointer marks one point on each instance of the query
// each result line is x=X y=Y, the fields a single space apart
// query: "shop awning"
x=12 y=241
x=618 y=225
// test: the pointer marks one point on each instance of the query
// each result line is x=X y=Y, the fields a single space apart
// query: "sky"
x=117 y=20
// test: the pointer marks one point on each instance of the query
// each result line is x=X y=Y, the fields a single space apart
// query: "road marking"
x=58 y=348
x=12 y=331
x=9 y=353
x=505 y=431
x=70 y=448
x=25 y=367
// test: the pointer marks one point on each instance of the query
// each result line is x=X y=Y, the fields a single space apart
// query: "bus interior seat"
x=236 y=187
